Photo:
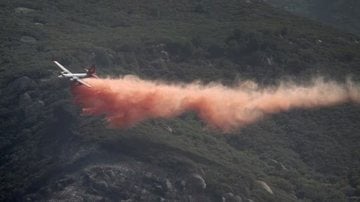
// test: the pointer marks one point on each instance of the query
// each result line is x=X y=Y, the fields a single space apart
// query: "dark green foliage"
x=342 y=14
x=302 y=155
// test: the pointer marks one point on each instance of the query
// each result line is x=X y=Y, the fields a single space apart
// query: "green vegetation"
x=302 y=155
x=342 y=14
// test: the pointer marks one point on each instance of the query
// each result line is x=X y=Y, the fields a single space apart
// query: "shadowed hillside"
x=49 y=151
x=342 y=14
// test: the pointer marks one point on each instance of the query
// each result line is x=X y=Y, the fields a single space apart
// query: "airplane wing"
x=82 y=82
x=62 y=67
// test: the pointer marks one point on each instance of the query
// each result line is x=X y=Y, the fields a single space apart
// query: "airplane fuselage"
x=76 y=77
x=79 y=75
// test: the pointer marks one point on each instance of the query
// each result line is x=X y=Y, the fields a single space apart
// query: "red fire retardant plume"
x=129 y=100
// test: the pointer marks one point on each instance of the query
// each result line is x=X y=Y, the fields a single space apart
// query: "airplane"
x=77 y=77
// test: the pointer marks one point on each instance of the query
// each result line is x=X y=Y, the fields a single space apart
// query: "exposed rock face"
x=168 y=185
x=98 y=173
x=121 y=182
x=265 y=186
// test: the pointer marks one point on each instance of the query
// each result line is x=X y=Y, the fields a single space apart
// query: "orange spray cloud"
x=129 y=100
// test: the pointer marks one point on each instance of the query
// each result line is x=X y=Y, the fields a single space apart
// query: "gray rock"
x=73 y=193
x=123 y=181
x=40 y=102
x=277 y=164
x=265 y=186
x=39 y=24
x=23 y=10
x=28 y=39
x=182 y=184
x=168 y=185
x=164 y=55
x=195 y=183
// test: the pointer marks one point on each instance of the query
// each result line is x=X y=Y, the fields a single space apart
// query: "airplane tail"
x=91 y=71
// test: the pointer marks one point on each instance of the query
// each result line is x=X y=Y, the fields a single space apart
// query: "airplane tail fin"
x=91 y=71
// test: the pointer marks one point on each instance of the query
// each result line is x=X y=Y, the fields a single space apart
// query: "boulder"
x=196 y=183
x=265 y=186
x=28 y=39
x=23 y=10
x=39 y=24
x=169 y=187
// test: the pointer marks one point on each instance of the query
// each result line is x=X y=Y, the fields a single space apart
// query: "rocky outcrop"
x=195 y=183
x=121 y=182
x=23 y=10
x=28 y=39
x=265 y=186
x=127 y=180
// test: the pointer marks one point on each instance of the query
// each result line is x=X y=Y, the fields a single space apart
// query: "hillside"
x=49 y=151
x=342 y=14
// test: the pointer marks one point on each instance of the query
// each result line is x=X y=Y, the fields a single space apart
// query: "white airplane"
x=76 y=77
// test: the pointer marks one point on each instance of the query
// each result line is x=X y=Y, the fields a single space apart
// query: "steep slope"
x=342 y=14
x=50 y=152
